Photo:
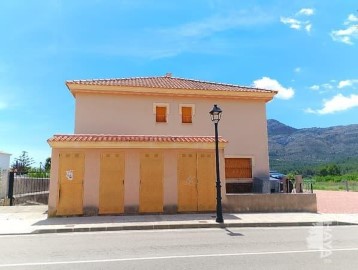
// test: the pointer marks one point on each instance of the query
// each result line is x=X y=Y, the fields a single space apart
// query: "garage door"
x=111 y=186
x=206 y=182
x=196 y=182
x=187 y=182
x=151 y=183
x=71 y=174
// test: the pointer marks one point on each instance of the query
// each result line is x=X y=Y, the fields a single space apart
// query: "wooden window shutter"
x=161 y=114
x=186 y=114
x=238 y=168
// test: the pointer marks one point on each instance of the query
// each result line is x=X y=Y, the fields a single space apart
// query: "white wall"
x=4 y=170
x=4 y=160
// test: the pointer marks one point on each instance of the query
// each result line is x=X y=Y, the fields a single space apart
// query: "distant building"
x=146 y=145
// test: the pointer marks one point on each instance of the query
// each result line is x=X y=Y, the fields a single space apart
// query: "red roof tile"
x=133 y=138
x=168 y=82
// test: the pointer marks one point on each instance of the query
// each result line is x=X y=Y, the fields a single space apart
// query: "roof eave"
x=266 y=95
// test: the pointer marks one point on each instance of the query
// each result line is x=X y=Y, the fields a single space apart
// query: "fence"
x=24 y=184
x=345 y=185
x=23 y=188
x=308 y=185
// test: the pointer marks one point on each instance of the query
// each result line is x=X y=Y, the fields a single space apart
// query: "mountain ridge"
x=311 y=146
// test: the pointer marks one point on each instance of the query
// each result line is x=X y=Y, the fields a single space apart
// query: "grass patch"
x=335 y=186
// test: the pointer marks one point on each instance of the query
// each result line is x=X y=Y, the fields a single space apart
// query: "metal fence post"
x=347 y=185
x=10 y=193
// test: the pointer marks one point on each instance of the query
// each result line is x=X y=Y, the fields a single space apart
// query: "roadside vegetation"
x=24 y=165
x=331 y=176
x=347 y=182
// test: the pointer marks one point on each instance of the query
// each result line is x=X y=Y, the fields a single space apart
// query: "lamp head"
x=215 y=114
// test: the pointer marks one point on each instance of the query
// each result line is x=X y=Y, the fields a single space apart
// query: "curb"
x=188 y=226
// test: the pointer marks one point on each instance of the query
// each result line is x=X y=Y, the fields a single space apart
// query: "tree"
x=48 y=164
x=333 y=169
x=330 y=169
x=23 y=163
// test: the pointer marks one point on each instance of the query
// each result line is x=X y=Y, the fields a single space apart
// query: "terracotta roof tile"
x=133 y=138
x=167 y=82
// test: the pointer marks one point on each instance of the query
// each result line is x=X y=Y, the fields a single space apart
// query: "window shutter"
x=238 y=168
x=186 y=114
x=161 y=114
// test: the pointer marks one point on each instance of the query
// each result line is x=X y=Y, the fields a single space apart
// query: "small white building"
x=4 y=170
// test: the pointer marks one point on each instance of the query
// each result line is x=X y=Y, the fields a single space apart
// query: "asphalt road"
x=319 y=247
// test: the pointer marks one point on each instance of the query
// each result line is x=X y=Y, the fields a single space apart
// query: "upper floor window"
x=161 y=112
x=187 y=112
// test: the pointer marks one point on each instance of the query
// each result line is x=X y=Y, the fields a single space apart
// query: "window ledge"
x=238 y=180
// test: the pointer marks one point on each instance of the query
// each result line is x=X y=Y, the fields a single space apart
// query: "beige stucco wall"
x=276 y=202
x=131 y=181
x=243 y=122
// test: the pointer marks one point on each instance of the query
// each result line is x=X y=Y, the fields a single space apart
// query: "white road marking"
x=174 y=257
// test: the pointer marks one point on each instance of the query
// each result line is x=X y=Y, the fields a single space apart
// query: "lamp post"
x=215 y=114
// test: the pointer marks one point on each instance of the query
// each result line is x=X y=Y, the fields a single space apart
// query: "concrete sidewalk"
x=33 y=220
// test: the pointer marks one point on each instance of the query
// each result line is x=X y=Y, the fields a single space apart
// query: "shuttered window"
x=186 y=114
x=238 y=167
x=161 y=114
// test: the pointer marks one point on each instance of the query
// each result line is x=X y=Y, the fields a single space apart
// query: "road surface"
x=318 y=247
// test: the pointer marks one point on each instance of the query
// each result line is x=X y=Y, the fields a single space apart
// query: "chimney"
x=169 y=75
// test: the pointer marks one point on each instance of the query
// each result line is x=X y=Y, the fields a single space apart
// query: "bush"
x=36 y=173
x=336 y=178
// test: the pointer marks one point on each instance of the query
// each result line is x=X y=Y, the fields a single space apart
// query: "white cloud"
x=297 y=70
x=306 y=11
x=336 y=104
x=271 y=84
x=351 y=18
x=308 y=27
x=193 y=36
x=334 y=85
x=349 y=33
x=219 y=23
x=295 y=23
x=314 y=87
x=346 y=83
x=327 y=86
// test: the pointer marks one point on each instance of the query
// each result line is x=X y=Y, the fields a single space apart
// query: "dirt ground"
x=337 y=202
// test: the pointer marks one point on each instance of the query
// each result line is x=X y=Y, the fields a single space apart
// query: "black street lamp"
x=215 y=114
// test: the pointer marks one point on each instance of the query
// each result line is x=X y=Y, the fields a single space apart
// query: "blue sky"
x=308 y=50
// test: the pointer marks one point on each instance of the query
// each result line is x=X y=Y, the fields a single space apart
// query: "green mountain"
x=291 y=148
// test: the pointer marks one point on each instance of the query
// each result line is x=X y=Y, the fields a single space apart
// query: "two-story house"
x=147 y=145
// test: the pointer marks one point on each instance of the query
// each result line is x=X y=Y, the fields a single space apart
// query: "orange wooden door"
x=71 y=175
x=151 y=183
x=187 y=182
x=206 y=181
x=111 y=186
